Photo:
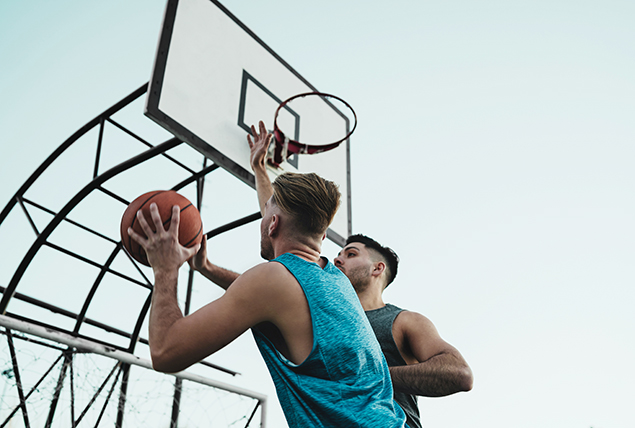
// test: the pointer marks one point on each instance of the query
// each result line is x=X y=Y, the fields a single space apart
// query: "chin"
x=266 y=253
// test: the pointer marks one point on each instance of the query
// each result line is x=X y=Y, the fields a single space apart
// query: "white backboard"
x=213 y=78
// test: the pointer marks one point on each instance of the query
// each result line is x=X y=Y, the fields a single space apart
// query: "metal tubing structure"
x=18 y=382
x=74 y=338
x=85 y=345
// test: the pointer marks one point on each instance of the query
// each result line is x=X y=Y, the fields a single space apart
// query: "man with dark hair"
x=421 y=363
x=381 y=253
x=307 y=321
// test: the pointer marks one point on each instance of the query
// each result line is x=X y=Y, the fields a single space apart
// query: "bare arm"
x=166 y=256
x=218 y=275
x=435 y=368
x=176 y=342
x=259 y=146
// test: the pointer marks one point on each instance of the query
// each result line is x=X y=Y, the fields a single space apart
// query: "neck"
x=307 y=248
x=371 y=298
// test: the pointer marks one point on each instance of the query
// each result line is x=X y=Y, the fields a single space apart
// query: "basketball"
x=190 y=227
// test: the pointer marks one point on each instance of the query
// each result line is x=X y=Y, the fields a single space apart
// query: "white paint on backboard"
x=214 y=78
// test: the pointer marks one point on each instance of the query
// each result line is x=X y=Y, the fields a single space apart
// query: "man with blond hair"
x=306 y=319
x=421 y=363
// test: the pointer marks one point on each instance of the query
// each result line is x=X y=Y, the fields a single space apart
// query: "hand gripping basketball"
x=190 y=230
x=284 y=147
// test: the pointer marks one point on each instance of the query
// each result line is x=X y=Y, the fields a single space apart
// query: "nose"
x=337 y=261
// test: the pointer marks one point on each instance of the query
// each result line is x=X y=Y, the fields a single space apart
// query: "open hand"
x=259 y=146
x=198 y=261
x=162 y=247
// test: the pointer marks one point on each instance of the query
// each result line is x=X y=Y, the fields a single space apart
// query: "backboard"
x=213 y=78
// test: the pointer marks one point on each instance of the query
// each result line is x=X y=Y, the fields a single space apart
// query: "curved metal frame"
x=96 y=184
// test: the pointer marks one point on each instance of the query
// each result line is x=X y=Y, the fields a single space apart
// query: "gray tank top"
x=381 y=320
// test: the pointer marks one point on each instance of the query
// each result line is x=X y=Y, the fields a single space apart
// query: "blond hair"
x=309 y=199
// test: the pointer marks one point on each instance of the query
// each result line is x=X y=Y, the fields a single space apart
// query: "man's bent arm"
x=435 y=368
x=441 y=375
x=164 y=310
x=176 y=342
x=218 y=275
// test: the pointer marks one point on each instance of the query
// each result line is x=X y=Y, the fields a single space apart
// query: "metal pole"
x=108 y=351
x=18 y=381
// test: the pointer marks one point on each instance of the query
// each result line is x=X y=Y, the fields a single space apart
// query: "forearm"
x=218 y=275
x=444 y=374
x=164 y=312
x=263 y=185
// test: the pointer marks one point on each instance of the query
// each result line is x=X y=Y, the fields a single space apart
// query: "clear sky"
x=494 y=154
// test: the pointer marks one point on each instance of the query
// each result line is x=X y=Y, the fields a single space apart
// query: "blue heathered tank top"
x=344 y=382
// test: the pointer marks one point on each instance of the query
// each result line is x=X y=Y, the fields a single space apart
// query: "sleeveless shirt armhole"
x=282 y=358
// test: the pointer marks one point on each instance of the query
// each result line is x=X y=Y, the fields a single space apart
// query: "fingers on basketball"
x=185 y=223
x=136 y=237
x=192 y=251
x=156 y=218
x=176 y=220
x=143 y=224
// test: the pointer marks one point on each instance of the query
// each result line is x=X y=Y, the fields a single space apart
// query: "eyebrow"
x=349 y=248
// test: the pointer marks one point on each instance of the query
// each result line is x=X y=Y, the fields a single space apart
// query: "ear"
x=324 y=236
x=274 y=225
x=378 y=268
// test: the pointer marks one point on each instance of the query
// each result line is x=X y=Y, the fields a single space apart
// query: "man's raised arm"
x=259 y=146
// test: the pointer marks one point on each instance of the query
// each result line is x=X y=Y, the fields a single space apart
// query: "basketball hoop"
x=284 y=147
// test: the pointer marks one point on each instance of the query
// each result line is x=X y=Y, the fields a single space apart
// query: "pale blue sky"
x=494 y=153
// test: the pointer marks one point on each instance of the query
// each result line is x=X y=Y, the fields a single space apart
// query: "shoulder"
x=410 y=323
x=266 y=271
x=410 y=317
x=266 y=280
x=416 y=336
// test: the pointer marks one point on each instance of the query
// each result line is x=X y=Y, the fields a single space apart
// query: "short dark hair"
x=390 y=257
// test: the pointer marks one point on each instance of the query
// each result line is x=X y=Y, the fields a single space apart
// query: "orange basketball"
x=190 y=227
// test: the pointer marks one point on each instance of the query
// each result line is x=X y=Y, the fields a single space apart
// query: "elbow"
x=163 y=363
x=160 y=365
x=163 y=368
x=466 y=379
